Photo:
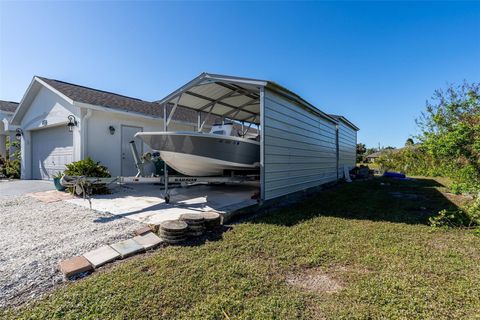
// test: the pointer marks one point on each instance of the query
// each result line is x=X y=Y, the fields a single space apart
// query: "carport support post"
x=198 y=120
x=165 y=168
x=262 y=144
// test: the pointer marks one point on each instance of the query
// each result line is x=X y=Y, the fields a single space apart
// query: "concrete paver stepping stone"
x=50 y=196
x=148 y=240
x=127 y=248
x=75 y=265
x=101 y=256
x=142 y=230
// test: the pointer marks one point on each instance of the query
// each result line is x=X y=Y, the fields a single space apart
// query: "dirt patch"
x=315 y=280
x=458 y=199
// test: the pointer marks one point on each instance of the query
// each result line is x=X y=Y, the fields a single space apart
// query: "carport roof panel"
x=230 y=97
x=222 y=91
x=220 y=100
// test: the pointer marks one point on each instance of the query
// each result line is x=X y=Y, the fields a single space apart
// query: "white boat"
x=217 y=153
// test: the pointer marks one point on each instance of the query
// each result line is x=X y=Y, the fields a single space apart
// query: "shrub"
x=12 y=168
x=88 y=168
x=468 y=217
x=449 y=146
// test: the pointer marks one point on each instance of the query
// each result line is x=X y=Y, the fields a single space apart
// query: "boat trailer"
x=168 y=180
x=84 y=186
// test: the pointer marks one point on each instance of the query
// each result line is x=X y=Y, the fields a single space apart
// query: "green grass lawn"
x=361 y=250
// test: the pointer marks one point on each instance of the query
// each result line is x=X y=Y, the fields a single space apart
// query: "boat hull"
x=199 y=154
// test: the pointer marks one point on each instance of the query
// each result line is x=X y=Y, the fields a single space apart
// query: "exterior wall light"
x=19 y=134
x=72 y=122
x=112 y=130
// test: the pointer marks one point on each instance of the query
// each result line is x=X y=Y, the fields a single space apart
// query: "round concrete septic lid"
x=194 y=217
x=210 y=215
x=173 y=225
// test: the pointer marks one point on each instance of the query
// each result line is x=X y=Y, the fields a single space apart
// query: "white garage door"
x=52 y=148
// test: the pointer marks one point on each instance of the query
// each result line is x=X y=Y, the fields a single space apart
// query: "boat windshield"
x=223 y=129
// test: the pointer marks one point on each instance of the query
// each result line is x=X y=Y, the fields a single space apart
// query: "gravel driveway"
x=35 y=236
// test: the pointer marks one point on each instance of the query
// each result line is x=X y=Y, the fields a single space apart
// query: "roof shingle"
x=119 y=102
x=105 y=99
x=8 y=106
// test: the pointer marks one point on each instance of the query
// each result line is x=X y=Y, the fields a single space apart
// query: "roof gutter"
x=125 y=113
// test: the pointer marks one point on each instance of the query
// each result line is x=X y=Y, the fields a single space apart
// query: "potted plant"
x=56 y=181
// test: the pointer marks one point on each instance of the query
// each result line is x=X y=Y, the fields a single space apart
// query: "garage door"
x=52 y=148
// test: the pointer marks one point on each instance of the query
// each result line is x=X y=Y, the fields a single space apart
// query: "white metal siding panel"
x=347 y=141
x=300 y=147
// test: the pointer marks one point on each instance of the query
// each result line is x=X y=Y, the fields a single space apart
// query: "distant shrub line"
x=449 y=146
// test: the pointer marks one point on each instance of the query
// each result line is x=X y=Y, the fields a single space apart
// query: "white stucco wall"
x=106 y=148
x=3 y=132
x=52 y=108
x=91 y=137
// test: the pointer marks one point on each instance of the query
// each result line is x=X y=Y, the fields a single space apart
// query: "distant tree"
x=370 y=151
x=361 y=149
x=450 y=130
x=409 y=142
x=389 y=148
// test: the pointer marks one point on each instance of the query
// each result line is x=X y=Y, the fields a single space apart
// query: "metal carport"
x=298 y=147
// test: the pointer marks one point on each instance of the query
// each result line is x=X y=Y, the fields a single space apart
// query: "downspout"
x=84 y=124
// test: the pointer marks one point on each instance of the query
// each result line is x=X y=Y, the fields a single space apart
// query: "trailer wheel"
x=167 y=199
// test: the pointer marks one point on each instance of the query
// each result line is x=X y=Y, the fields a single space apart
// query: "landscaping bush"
x=10 y=167
x=449 y=146
x=88 y=168
x=469 y=216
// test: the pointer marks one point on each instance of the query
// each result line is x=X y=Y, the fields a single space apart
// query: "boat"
x=222 y=151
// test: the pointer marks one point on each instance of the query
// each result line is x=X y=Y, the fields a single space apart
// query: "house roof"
x=104 y=98
x=375 y=154
x=114 y=101
x=382 y=152
x=8 y=106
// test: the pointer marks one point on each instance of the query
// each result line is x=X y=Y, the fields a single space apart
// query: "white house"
x=7 y=109
x=102 y=125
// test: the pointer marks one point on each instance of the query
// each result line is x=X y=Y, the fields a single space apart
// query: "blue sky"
x=375 y=63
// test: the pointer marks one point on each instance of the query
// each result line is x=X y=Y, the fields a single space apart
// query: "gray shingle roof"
x=8 y=106
x=105 y=99
x=119 y=102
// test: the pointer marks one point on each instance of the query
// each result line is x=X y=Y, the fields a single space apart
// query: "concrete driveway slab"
x=145 y=203
x=9 y=188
